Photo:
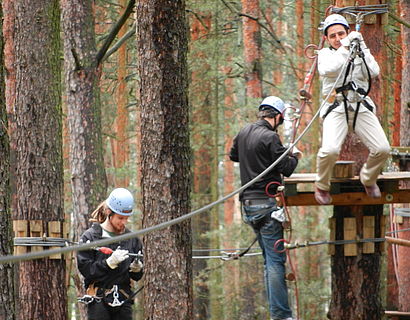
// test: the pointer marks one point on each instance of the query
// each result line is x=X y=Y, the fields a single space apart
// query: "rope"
x=41 y=241
x=295 y=245
x=359 y=12
x=222 y=250
x=223 y=257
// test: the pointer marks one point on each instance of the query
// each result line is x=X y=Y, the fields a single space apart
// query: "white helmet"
x=273 y=103
x=332 y=20
x=121 y=201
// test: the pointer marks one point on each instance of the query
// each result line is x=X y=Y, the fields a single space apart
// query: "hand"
x=354 y=35
x=297 y=153
x=116 y=258
x=136 y=266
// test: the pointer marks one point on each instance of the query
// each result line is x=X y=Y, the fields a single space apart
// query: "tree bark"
x=7 y=294
x=405 y=89
x=162 y=48
x=252 y=41
x=88 y=178
x=121 y=142
x=38 y=140
x=403 y=254
x=200 y=97
x=300 y=41
x=356 y=279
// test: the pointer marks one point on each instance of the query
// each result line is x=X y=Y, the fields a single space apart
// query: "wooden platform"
x=299 y=190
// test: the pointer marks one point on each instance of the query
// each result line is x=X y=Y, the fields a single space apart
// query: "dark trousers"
x=102 y=311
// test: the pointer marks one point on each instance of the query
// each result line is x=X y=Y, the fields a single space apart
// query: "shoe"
x=322 y=196
x=281 y=319
x=373 y=191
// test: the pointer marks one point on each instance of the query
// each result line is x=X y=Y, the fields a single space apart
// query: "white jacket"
x=330 y=63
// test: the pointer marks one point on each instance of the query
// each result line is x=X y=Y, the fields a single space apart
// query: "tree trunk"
x=202 y=136
x=121 y=142
x=392 y=299
x=162 y=48
x=230 y=270
x=278 y=72
x=300 y=41
x=405 y=89
x=403 y=254
x=356 y=279
x=252 y=42
x=38 y=140
x=7 y=294
x=84 y=116
x=88 y=179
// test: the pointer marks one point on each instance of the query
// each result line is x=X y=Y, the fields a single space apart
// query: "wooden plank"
x=310 y=177
x=398 y=241
x=368 y=233
x=54 y=231
x=397 y=313
x=36 y=230
x=20 y=228
x=349 y=233
x=350 y=198
x=343 y=169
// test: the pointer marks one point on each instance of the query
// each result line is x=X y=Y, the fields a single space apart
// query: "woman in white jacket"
x=348 y=108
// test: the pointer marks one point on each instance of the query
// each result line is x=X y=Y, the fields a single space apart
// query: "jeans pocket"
x=273 y=227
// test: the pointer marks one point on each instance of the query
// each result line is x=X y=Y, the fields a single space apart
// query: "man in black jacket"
x=256 y=147
x=107 y=277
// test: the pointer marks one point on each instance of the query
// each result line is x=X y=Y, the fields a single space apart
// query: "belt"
x=255 y=202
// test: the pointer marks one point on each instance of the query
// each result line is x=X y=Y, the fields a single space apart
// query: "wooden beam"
x=397 y=313
x=389 y=182
x=350 y=198
x=398 y=241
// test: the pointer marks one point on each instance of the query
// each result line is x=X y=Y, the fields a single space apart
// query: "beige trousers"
x=370 y=132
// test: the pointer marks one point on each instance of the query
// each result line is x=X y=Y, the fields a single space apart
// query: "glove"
x=116 y=258
x=136 y=266
x=353 y=36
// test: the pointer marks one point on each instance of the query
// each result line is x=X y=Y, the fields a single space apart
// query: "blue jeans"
x=274 y=263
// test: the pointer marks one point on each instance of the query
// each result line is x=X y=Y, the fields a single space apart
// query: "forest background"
x=229 y=72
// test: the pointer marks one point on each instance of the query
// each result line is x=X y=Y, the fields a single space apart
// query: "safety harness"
x=114 y=297
x=341 y=92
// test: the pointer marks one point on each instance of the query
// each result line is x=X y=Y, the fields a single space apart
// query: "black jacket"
x=93 y=266
x=256 y=147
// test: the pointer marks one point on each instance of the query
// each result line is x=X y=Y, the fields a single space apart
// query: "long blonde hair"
x=100 y=213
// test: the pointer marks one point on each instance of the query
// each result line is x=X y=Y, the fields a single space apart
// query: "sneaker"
x=322 y=197
x=373 y=191
x=281 y=319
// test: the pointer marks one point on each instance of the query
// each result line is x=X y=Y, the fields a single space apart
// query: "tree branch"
x=399 y=20
x=114 y=31
x=199 y=18
x=119 y=43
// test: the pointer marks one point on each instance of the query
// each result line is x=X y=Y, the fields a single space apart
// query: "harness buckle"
x=226 y=256
x=87 y=299
x=353 y=85
x=116 y=295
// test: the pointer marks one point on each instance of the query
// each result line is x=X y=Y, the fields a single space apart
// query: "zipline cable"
x=163 y=225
